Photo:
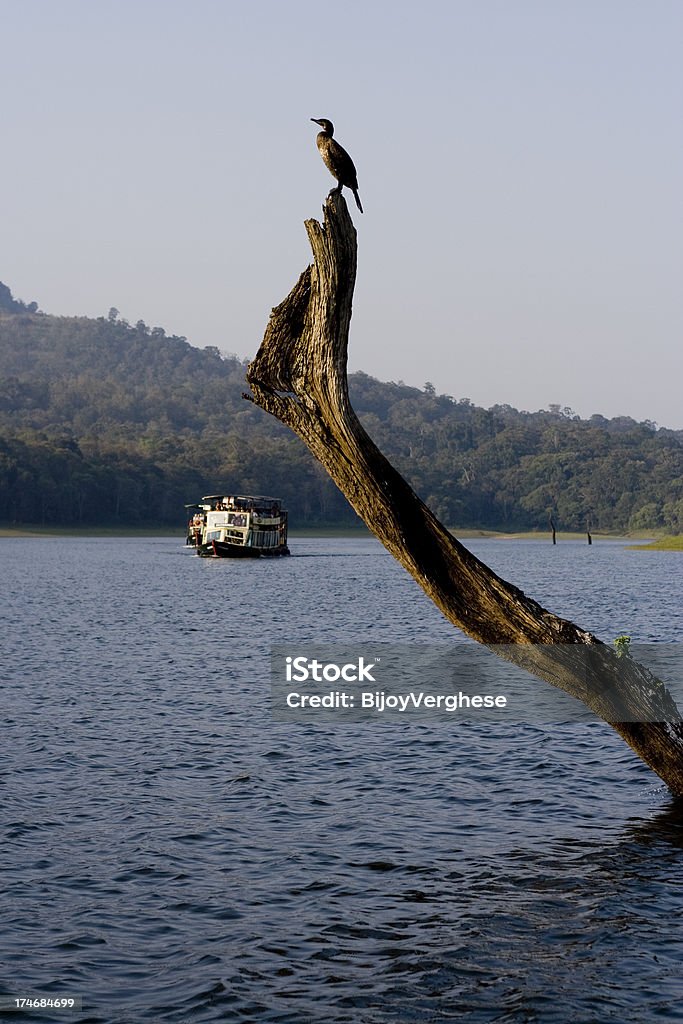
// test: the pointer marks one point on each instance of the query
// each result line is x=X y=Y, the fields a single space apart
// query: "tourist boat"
x=238 y=526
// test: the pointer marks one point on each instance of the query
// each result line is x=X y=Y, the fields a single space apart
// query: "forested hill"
x=102 y=423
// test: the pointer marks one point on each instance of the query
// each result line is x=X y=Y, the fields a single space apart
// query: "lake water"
x=170 y=853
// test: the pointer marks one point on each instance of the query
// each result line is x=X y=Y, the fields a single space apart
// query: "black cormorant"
x=336 y=159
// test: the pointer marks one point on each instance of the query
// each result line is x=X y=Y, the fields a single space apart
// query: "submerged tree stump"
x=299 y=375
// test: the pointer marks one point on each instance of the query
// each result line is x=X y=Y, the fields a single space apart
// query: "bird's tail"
x=357 y=198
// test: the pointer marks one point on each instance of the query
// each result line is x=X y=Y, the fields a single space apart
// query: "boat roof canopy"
x=242 y=497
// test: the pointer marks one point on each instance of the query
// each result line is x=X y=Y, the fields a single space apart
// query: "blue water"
x=169 y=853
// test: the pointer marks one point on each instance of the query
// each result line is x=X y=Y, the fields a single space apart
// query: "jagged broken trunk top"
x=300 y=376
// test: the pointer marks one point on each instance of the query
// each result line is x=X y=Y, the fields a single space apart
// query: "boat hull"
x=219 y=549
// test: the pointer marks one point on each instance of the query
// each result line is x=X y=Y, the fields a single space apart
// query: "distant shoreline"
x=661 y=544
x=639 y=540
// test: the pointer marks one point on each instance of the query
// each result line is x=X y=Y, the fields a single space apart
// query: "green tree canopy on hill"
x=102 y=422
x=11 y=305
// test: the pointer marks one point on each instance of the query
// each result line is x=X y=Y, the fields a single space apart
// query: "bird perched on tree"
x=336 y=159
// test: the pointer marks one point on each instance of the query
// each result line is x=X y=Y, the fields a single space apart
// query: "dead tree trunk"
x=299 y=375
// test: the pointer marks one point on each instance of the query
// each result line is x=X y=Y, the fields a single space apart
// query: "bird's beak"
x=317 y=121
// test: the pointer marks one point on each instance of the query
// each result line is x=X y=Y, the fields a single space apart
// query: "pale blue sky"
x=520 y=164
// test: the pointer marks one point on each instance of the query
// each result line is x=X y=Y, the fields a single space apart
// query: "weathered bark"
x=299 y=375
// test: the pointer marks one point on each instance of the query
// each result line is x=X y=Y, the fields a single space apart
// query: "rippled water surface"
x=169 y=853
